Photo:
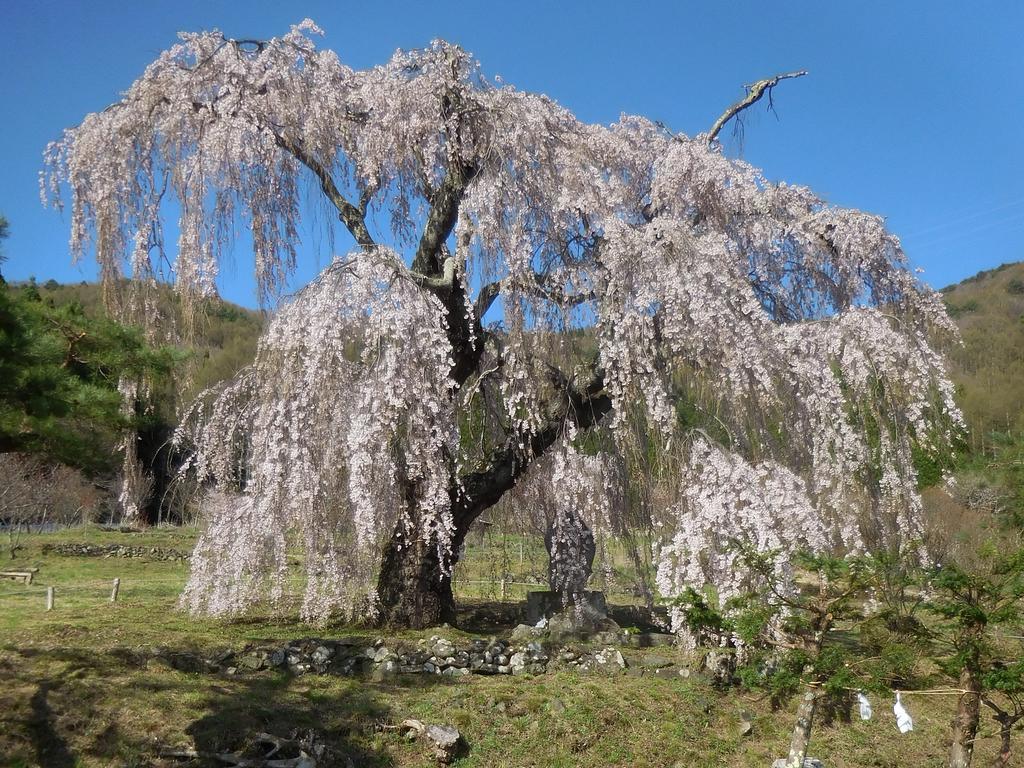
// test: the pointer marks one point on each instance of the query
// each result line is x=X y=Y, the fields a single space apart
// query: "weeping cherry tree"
x=521 y=284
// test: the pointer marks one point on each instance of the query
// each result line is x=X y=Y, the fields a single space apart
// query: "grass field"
x=78 y=687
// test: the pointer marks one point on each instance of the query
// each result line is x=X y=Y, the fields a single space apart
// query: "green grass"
x=77 y=689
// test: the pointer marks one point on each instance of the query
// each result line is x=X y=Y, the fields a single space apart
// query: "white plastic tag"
x=903 y=719
x=865 y=706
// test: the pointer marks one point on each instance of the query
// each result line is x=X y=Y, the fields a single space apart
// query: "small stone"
x=252 y=661
x=557 y=706
x=322 y=654
x=517 y=663
x=446 y=740
x=522 y=633
x=443 y=648
x=746 y=723
x=610 y=657
x=385 y=670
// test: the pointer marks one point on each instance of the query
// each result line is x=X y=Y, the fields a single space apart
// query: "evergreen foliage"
x=59 y=372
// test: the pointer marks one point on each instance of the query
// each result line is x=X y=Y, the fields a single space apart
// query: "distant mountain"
x=989 y=368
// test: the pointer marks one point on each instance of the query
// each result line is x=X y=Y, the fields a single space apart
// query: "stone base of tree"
x=544 y=605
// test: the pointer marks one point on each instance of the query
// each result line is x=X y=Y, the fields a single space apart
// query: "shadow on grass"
x=65 y=704
x=51 y=749
x=343 y=720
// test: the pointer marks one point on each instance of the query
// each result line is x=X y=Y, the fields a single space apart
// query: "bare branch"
x=351 y=216
x=754 y=94
x=444 y=210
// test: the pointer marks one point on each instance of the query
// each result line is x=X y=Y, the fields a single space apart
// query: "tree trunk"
x=965 y=724
x=802 y=730
x=1003 y=759
x=413 y=589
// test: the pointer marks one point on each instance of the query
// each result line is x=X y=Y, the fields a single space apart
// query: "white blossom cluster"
x=726 y=500
x=305 y=442
x=792 y=327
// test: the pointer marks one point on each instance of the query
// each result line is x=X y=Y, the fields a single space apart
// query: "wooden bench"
x=25 y=577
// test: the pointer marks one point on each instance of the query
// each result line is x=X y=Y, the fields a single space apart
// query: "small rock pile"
x=529 y=651
x=352 y=656
x=115 y=550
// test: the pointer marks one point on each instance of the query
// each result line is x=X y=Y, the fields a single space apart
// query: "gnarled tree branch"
x=755 y=93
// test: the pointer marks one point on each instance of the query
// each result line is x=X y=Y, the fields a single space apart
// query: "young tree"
x=980 y=610
x=786 y=634
x=792 y=328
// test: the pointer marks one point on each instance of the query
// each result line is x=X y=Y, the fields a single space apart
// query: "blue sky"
x=913 y=110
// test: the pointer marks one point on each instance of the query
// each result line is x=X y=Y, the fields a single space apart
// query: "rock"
x=446 y=740
x=809 y=762
x=522 y=633
x=517 y=663
x=563 y=627
x=557 y=706
x=720 y=665
x=746 y=723
x=322 y=654
x=610 y=658
x=278 y=658
x=443 y=648
x=651 y=640
x=667 y=673
x=607 y=638
x=253 y=661
x=385 y=671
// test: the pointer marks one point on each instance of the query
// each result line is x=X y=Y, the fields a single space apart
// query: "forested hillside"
x=989 y=368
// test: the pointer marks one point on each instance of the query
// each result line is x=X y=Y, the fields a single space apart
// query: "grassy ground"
x=77 y=689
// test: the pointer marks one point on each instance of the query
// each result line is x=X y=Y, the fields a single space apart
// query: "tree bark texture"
x=965 y=724
x=1003 y=759
x=413 y=589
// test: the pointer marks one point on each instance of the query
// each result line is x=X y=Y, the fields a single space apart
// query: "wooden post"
x=49 y=598
x=113 y=592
